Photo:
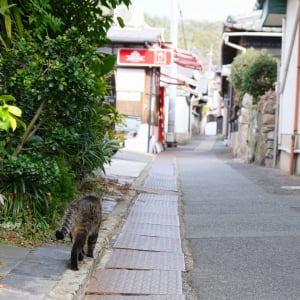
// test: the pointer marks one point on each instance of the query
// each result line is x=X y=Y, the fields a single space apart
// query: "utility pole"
x=172 y=88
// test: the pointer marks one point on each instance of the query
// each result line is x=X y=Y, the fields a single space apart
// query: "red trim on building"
x=184 y=58
x=161 y=115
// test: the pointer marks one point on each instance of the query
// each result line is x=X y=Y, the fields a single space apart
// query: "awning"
x=184 y=58
x=181 y=82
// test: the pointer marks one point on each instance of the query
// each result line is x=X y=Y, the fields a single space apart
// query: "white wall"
x=287 y=95
x=181 y=115
x=287 y=91
x=130 y=83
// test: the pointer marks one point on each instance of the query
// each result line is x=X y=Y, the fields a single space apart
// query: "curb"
x=72 y=284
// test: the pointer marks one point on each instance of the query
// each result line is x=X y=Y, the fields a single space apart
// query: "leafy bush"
x=253 y=72
x=62 y=191
x=260 y=76
x=60 y=87
x=240 y=63
x=59 y=83
x=25 y=182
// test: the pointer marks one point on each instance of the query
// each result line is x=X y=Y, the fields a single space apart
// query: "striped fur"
x=82 y=220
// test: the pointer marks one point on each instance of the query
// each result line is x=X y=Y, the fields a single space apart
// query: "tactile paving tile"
x=153 y=218
x=162 y=170
x=149 y=297
x=135 y=282
x=151 y=229
x=145 y=260
x=162 y=203
x=161 y=183
x=160 y=207
x=147 y=243
x=159 y=197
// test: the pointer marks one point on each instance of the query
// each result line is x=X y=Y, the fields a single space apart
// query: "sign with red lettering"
x=145 y=57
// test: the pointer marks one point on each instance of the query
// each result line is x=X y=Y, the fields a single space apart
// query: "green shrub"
x=240 y=63
x=60 y=88
x=59 y=83
x=25 y=181
x=260 y=75
x=253 y=72
x=62 y=191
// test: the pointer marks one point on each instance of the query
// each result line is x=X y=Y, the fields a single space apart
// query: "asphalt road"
x=241 y=225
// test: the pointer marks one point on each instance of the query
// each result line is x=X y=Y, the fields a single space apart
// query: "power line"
x=182 y=27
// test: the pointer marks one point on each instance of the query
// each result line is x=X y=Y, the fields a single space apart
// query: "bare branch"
x=30 y=128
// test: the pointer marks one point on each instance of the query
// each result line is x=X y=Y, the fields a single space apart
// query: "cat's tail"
x=61 y=234
x=67 y=224
x=65 y=229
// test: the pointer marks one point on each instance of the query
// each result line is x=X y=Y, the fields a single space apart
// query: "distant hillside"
x=200 y=37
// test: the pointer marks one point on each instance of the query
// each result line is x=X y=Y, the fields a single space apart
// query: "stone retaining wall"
x=254 y=140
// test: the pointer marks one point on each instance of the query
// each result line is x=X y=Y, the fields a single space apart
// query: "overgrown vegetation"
x=253 y=72
x=15 y=233
x=50 y=66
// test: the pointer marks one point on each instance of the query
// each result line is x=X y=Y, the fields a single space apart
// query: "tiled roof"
x=135 y=34
x=248 y=22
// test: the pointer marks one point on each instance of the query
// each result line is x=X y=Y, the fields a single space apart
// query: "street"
x=197 y=224
x=241 y=225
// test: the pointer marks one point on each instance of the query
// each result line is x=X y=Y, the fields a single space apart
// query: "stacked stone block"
x=254 y=141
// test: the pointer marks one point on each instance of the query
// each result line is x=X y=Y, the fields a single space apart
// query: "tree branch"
x=30 y=128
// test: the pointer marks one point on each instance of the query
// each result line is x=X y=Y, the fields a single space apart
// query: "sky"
x=210 y=10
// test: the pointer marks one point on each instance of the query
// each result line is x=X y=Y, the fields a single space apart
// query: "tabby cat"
x=82 y=220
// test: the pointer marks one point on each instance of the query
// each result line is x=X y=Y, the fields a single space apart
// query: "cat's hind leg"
x=81 y=255
x=76 y=252
x=92 y=239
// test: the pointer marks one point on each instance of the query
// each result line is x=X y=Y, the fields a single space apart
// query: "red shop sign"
x=144 y=57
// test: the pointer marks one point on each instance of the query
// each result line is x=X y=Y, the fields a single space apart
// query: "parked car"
x=130 y=127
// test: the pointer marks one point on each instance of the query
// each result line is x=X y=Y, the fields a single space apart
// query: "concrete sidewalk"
x=146 y=259
x=42 y=272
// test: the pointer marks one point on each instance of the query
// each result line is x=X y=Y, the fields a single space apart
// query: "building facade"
x=144 y=79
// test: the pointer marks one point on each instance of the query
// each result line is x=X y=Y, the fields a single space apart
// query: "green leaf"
x=14 y=110
x=2 y=199
x=13 y=122
x=7 y=21
x=18 y=20
x=6 y=98
x=121 y=22
x=3 y=42
x=4 y=125
x=21 y=123
x=35 y=139
x=4 y=120
x=109 y=62
x=4 y=7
